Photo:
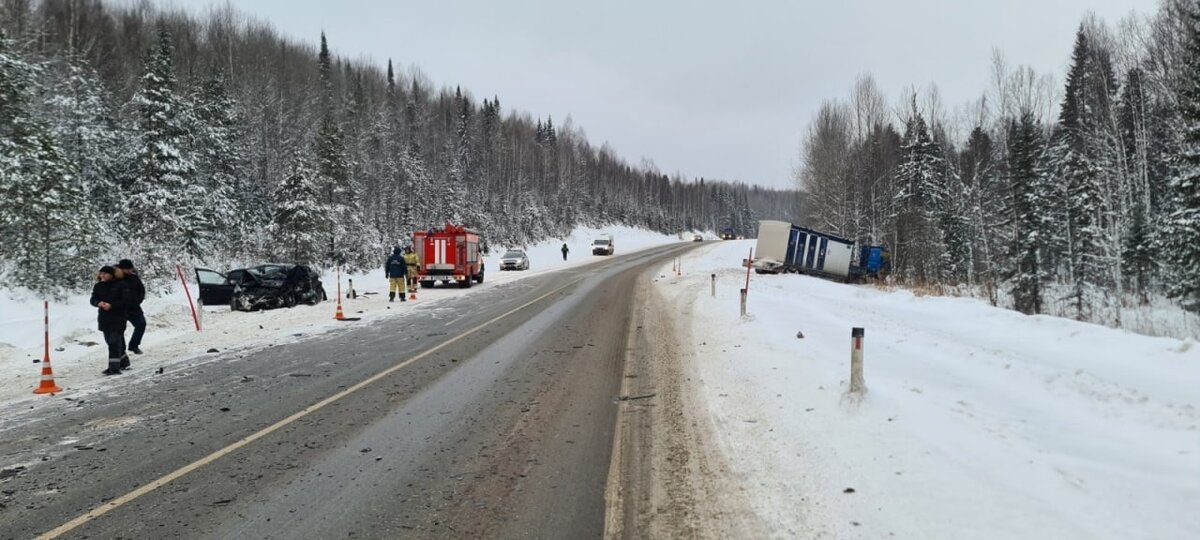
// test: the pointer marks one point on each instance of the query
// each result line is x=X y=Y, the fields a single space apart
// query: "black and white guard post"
x=857 y=386
x=713 y=278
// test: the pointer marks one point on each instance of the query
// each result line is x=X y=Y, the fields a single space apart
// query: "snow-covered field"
x=172 y=340
x=978 y=422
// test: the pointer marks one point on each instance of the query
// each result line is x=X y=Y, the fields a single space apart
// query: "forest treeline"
x=1084 y=194
x=133 y=131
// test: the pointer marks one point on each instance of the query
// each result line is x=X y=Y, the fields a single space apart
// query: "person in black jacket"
x=111 y=299
x=137 y=317
x=396 y=270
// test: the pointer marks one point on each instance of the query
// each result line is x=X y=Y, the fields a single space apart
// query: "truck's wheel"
x=479 y=278
x=426 y=284
x=466 y=283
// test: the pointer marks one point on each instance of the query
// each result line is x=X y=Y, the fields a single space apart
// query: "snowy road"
x=487 y=415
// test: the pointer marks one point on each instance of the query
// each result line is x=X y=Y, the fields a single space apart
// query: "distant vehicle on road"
x=697 y=238
x=728 y=234
x=603 y=245
x=514 y=259
x=266 y=286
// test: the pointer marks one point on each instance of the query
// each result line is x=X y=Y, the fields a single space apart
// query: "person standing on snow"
x=111 y=299
x=410 y=258
x=137 y=317
x=565 y=249
x=396 y=270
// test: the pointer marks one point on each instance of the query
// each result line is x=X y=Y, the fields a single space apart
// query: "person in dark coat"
x=565 y=249
x=396 y=271
x=111 y=299
x=137 y=317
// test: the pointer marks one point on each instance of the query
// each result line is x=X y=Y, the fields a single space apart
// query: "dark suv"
x=266 y=286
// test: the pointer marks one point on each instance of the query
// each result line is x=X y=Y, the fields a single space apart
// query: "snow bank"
x=978 y=422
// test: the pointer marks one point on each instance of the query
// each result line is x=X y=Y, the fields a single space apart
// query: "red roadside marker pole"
x=188 y=292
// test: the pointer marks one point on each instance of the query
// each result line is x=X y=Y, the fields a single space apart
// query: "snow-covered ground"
x=978 y=422
x=78 y=353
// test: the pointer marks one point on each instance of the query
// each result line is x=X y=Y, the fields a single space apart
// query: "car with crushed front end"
x=266 y=286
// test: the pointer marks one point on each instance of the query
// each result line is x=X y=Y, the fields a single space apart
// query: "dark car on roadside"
x=266 y=286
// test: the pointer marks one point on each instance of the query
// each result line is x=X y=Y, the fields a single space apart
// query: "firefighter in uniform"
x=396 y=270
x=410 y=258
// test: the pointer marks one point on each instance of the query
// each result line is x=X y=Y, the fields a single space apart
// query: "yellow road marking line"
x=178 y=473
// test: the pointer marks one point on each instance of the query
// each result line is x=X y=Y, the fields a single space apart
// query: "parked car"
x=697 y=238
x=266 y=286
x=514 y=259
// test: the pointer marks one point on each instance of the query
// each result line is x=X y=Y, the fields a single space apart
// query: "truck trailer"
x=784 y=247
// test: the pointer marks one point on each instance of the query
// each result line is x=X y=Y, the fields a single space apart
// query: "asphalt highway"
x=490 y=415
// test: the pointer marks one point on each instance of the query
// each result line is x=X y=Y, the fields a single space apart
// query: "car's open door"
x=215 y=290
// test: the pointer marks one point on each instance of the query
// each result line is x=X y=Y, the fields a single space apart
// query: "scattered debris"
x=848 y=490
x=214 y=350
x=799 y=335
x=9 y=473
x=630 y=398
x=159 y=372
x=224 y=409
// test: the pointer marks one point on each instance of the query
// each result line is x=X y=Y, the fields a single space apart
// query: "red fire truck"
x=449 y=254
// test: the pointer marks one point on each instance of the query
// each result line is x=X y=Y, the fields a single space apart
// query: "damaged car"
x=266 y=286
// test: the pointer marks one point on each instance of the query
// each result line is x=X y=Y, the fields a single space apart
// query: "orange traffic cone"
x=339 y=315
x=47 y=386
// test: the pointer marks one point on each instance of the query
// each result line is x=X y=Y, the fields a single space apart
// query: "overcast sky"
x=707 y=89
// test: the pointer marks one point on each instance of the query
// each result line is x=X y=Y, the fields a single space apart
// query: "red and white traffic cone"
x=47 y=385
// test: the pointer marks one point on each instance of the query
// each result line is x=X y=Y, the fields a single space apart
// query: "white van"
x=603 y=245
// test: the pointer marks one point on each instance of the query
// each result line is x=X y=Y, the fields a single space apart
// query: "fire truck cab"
x=449 y=254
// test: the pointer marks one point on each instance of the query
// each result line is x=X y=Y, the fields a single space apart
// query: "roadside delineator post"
x=743 y=302
x=857 y=386
x=47 y=385
x=188 y=292
x=714 y=284
x=339 y=316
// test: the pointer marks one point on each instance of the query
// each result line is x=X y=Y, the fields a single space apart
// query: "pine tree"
x=300 y=215
x=1082 y=165
x=1026 y=208
x=1183 y=224
x=46 y=247
x=167 y=208
x=921 y=177
x=220 y=167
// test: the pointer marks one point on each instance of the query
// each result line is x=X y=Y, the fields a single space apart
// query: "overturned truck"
x=784 y=247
